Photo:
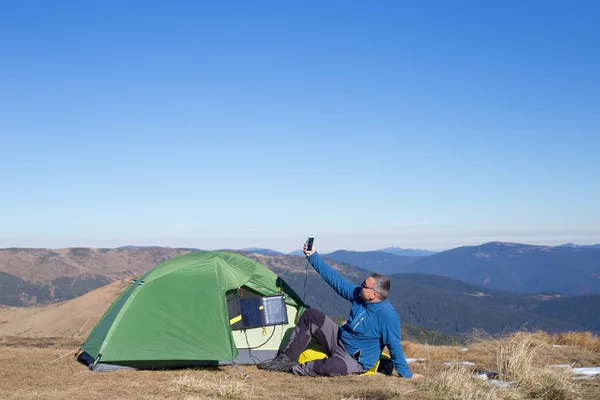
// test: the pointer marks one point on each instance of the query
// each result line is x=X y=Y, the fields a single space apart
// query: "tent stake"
x=245 y=375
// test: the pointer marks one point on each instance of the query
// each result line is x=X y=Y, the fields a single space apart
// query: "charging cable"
x=305 y=279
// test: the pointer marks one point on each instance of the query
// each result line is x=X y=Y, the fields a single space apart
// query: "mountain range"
x=38 y=276
x=507 y=266
x=376 y=261
x=445 y=304
x=497 y=265
x=391 y=250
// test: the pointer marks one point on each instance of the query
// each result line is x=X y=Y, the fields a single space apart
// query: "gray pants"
x=315 y=324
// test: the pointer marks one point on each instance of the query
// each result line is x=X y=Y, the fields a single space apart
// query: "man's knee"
x=315 y=316
x=332 y=366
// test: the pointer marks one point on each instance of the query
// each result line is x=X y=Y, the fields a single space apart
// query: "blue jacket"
x=370 y=326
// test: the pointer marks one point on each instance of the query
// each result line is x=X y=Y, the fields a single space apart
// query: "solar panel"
x=274 y=310
x=257 y=312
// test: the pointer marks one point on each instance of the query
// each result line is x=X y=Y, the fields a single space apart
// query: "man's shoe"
x=281 y=363
x=267 y=364
x=284 y=366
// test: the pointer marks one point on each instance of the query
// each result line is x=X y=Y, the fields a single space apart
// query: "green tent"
x=202 y=308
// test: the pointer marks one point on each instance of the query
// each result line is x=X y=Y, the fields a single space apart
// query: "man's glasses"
x=364 y=286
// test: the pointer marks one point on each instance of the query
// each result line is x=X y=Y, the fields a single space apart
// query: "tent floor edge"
x=245 y=357
x=251 y=357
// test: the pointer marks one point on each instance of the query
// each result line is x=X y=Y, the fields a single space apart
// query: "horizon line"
x=250 y=249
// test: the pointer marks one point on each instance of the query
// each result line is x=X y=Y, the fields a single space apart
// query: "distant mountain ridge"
x=266 y=252
x=407 y=252
x=517 y=267
x=377 y=261
x=581 y=246
x=398 y=251
x=507 y=266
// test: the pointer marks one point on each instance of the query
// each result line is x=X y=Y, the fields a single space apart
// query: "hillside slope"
x=45 y=276
x=73 y=318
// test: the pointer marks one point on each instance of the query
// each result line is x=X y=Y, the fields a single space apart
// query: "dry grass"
x=225 y=388
x=31 y=369
x=583 y=340
x=521 y=358
x=459 y=383
x=440 y=354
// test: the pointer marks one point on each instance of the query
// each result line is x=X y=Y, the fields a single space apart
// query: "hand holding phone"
x=309 y=243
x=308 y=246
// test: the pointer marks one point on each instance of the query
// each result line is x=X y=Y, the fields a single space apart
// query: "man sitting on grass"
x=356 y=346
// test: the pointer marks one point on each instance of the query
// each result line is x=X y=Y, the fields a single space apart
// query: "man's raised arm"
x=332 y=277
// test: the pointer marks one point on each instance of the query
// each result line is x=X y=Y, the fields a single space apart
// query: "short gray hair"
x=381 y=285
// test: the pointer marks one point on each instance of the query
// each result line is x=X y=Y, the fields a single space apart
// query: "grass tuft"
x=459 y=383
x=225 y=388
x=519 y=358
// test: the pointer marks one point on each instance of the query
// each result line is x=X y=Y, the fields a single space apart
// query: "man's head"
x=375 y=288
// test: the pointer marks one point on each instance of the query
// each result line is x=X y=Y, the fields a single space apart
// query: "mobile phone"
x=309 y=243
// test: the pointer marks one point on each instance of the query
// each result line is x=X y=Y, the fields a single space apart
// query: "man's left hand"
x=309 y=253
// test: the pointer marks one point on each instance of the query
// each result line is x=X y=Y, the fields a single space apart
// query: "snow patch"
x=500 y=384
x=589 y=371
x=460 y=362
x=585 y=372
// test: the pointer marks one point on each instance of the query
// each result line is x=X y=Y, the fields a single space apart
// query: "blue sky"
x=236 y=124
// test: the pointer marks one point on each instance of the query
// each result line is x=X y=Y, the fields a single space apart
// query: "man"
x=356 y=346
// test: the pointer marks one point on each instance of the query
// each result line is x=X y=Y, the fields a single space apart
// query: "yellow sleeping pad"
x=316 y=352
